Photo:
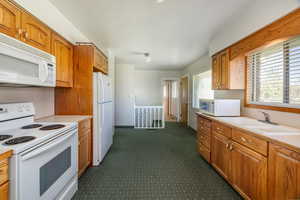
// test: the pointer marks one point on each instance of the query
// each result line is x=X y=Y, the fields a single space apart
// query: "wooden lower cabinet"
x=284 y=173
x=84 y=145
x=4 y=191
x=203 y=151
x=220 y=154
x=83 y=154
x=248 y=173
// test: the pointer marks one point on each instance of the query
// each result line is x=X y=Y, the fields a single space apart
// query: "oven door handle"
x=39 y=151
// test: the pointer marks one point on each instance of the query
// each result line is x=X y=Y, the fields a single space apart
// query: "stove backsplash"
x=43 y=98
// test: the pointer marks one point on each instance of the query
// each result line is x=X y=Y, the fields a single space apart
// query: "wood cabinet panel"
x=35 y=33
x=84 y=145
x=10 y=19
x=3 y=171
x=83 y=154
x=100 y=61
x=203 y=151
x=4 y=191
x=216 y=73
x=221 y=129
x=252 y=142
x=284 y=173
x=220 y=154
x=63 y=50
x=248 y=172
x=224 y=67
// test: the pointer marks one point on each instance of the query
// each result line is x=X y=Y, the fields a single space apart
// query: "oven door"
x=46 y=170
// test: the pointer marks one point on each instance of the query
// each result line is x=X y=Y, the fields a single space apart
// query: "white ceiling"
x=175 y=32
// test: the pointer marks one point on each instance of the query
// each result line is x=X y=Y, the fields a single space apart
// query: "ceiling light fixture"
x=160 y=1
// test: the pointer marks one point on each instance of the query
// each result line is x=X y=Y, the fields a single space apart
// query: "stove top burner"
x=52 y=127
x=31 y=126
x=19 y=140
x=4 y=137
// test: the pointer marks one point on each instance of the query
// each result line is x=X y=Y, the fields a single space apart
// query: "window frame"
x=261 y=105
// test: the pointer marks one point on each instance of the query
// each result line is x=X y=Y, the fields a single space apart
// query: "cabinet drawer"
x=202 y=122
x=204 y=139
x=221 y=129
x=4 y=191
x=203 y=151
x=84 y=125
x=252 y=142
x=3 y=171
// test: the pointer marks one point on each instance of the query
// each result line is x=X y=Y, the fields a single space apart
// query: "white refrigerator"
x=102 y=116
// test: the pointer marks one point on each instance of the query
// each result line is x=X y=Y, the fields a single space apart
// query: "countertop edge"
x=266 y=138
x=67 y=117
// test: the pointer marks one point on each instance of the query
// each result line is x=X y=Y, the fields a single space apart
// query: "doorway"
x=184 y=100
x=171 y=100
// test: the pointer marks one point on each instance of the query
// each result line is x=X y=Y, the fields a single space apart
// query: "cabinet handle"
x=243 y=139
x=20 y=31
x=231 y=147
x=227 y=145
x=26 y=35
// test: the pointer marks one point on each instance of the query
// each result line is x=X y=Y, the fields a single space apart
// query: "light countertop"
x=273 y=133
x=64 y=118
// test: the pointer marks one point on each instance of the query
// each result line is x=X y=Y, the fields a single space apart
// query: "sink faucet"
x=267 y=119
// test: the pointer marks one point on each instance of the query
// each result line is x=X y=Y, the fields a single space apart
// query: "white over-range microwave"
x=21 y=64
x=220 y=107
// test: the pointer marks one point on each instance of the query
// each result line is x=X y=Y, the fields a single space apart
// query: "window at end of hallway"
x=202 y=87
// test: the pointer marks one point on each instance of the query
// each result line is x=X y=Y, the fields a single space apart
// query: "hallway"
x=154 y=164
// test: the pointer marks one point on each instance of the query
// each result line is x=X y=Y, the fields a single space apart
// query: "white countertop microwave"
x=22 y=64
x=220 y=107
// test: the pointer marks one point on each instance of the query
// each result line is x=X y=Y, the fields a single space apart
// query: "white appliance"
x=22 y=64
x=44 y=161
x=220 y=107
x=102 y=117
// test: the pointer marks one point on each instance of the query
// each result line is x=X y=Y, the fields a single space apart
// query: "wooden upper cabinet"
x=220 y=154
x=35 y=33
x=10 y=19
x=100 y=61
x=228 y=74
x=248 y=172
x=284 y=173
x=63 y=50
x=215 y=73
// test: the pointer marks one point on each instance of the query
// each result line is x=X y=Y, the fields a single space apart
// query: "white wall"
x=50 y=15
x=112 y=75
x=124 y=83
x=201 y=65
x=257 y=15
x=43 y=98
x=148 y=87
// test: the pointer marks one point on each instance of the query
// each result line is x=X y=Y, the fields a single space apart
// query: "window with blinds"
x=274 y=75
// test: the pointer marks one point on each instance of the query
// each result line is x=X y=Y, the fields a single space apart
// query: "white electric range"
x=44 y=161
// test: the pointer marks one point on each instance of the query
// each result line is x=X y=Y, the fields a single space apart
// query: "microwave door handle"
x=43 y=71
x=46 y=148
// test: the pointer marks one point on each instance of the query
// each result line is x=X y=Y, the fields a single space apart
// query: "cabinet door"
x=284 y=173
x=10 y=19
x=216 y=73
x=224 y=67
x=83 y=154
x=248 y=172
x=35 y=33
x=63 y=50
x=4 y=191
x=220 y=154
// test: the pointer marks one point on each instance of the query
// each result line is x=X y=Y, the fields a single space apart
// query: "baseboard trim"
x=124 y=126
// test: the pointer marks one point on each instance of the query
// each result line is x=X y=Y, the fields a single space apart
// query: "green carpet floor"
x=154 y=164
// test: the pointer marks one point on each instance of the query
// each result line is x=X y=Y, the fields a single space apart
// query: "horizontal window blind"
x=274 y=75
